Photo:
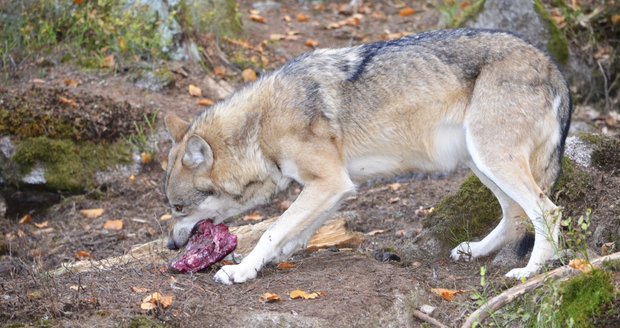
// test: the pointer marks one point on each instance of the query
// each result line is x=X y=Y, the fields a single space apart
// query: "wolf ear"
x=197 y=152
x=176 y=126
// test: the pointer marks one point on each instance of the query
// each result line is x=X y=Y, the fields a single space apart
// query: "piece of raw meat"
x=209 y=244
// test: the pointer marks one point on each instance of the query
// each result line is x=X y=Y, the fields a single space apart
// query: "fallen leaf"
x=81 y=255
x=253 y=217
x=421 y=211
x=164 y=165
x=615 y=19
x=333 y=25
x=219 y=71
x=165 y=301
x=72 y=83
x=74 y=287
x=113 y=225
x=78 y=2
x=194 y=91
x=394 y=186
x=146 y=158
x=581 y=265
x=269 y=298
x=25 y=219
x=258 y=18
x=148 y=306
x=285 y=266
x=205 y=102
x=165 y=217
x=67 y=101
x=41 y=225
x=277 y=37
x=34 y=295
x=406 y=12
x=92 y=213
x=38 y=81
x=108 y=62
x=447 y=294
x=311 y=43
x=248 y=75
x=375 y=232
x=152 y=298
x=393 y=200
x=132 y=178
x=301 y=294
x=301 y=18
x=287 y=18
x=139 y=290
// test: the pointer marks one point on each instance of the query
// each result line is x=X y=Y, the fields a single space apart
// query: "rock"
x=265 y=6
x=578 y=151
x=427 y=309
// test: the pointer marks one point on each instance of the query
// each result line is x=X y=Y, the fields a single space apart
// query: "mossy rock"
x=605 y=152
x=471 y=212
x=59 y=114
x=583 y=297
x=557 y=45
x=69 y=166
x=572 y=185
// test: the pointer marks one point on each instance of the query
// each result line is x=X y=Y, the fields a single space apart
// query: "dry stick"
x=511 y=294
x=428 y=319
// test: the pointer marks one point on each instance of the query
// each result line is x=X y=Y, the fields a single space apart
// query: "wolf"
x=333 y=117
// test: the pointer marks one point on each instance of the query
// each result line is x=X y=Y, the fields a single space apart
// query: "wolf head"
x=215 y=170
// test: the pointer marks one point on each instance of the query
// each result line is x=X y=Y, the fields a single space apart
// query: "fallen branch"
x=333 y=233
x=559 y=274
x=428 y=319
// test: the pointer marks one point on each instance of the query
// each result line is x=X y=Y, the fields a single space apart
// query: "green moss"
x=219 y=17
x=144 y=322
x=612 y=265
x=572 y=185
x=557 y=44
x=25 y=123
x=584 y=296
x=69 y=166
x=606 y=151
x=470 y=212
x=456 y=13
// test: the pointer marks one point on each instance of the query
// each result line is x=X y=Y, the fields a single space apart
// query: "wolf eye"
x=178 y=208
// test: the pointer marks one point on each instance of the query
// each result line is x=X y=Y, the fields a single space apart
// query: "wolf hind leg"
x=505 y=232
x=506 y=164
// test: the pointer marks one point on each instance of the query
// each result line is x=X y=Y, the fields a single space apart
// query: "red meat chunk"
x=209 y=244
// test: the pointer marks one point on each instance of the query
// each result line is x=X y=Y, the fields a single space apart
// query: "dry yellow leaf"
x=258 y=18
x=394 y=186
x=82 y=255
x=194 y=91
x=447 y=294
x=311 y=43
x=41 y=225
x=146 y=158
x=72 y=83
x=301 y=294
x=205 y=102
x=287 y=18
x=615 y=19
x=406 y=12
x=286 y=266
x=67 y=101
x=92 y=213
x=25 y=219
x=301 y=18
x=113 y=225
x=248 y=75
x=38 y=81
x=148 y=306
x=165 y=217
x=165 y=301
x=108 y=62
x=393 y=200
x=152 y=298
x=252 y=217
x=269 y=298
x=139 y=290
x=581 y=265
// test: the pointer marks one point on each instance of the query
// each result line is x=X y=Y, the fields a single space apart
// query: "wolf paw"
x=520 y=273
x=234 y=274
x=462 y=252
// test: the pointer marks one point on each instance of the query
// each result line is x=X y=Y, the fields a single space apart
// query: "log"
x=559 y=274
x=333 y=233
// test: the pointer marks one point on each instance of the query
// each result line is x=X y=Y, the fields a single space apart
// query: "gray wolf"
x=330 y=117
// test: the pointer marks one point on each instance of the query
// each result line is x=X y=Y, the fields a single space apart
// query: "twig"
x=607 y=102
x=511 y=294
x=428 y=319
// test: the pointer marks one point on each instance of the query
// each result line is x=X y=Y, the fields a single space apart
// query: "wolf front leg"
x=293 y=229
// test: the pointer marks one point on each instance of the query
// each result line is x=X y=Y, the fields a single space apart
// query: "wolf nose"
x=171 y=245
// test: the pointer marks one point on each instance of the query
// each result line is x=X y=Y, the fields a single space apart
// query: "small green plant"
x=140 y=139
x=576 y=234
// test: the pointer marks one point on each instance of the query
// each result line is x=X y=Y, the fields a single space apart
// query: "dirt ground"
x=357 y=289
